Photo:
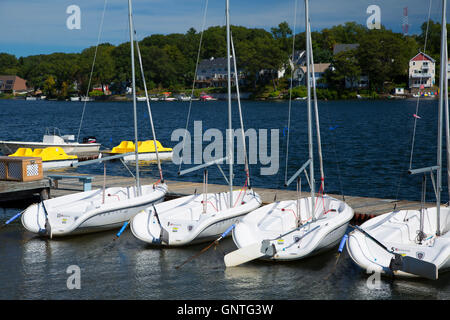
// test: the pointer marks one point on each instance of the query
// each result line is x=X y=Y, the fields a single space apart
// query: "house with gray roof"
x=213 y=72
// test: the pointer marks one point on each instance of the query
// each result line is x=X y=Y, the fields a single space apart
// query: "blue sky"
x=39 y=26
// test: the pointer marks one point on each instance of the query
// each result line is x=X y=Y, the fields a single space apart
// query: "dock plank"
x=14 y=190
x=365 y=206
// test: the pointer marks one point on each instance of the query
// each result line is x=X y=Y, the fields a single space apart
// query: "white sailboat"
x=200 y=217
x=411 y=243
x=293 y=229
x=100 y=209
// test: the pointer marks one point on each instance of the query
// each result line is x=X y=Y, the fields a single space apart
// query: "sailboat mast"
x=447 y=120
x=133 y=76
x=308 y=86
x=442 y=91
x=316 y=113
x=230 y=132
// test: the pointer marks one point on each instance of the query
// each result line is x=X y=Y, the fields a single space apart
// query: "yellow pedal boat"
x=146 y=150
x=52 y=157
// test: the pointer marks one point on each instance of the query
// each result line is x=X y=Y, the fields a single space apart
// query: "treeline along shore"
x=264 y=62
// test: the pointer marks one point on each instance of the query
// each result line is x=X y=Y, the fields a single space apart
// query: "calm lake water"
x=366 y=147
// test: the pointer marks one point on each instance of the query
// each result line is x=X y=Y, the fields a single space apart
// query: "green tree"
x=9 y=65
x=346 y=68
x=384 y=56
x=49 y=87
x=104 y=69
x=283 y=35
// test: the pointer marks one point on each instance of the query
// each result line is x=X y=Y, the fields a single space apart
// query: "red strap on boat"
x=243 y=188
x=320 y=193
x=293 y=211
x=202 y=202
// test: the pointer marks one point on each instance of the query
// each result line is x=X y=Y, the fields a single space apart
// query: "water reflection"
x=33 y=268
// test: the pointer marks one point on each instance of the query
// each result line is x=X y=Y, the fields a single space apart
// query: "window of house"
x=425 y=63
x=9 y=82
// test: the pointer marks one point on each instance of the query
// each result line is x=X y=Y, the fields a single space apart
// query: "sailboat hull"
x=313 y=237
x=86 y=212
x=397 y=232
x=182 y=221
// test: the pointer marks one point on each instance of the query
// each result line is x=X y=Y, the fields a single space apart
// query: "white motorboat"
x=184 y=98
x=75 y=99
x=412 y=243
x=99 y=209
x=51 y=139
x=199 y=218
x=293 y=229
x=87 y=99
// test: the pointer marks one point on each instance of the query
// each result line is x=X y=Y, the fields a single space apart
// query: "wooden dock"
x=365 y=208
x=13 y=191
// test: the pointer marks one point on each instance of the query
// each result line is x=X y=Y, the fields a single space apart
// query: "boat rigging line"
x=92 y=68
x=193 y=83
x=290 y=96
x=420 y=86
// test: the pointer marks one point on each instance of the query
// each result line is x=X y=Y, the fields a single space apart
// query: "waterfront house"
x=213 y=72
x=296 y=62
x=13 y=84
x=422 y=71
x=319 y=73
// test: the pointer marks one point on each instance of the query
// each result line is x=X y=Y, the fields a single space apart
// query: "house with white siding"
x=422 y=71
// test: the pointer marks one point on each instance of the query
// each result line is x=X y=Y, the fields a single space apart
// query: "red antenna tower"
x=405 y=25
